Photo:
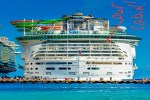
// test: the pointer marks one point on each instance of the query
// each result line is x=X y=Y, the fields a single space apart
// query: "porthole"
x=36 y=68
x=50 y=68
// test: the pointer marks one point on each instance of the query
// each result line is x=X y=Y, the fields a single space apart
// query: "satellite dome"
x=122 y=28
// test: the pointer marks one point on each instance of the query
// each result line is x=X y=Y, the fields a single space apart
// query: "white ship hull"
x=107 y=67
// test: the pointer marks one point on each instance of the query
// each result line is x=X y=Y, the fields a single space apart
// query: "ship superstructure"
x=7 y=55
x=75 y=47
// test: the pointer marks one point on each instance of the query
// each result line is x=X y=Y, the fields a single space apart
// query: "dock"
x=21 y=80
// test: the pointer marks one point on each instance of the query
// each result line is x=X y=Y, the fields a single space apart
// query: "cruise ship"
x=76 y=47
x=7 y=56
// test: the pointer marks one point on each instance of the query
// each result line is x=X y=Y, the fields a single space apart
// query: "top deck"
x=75 y=24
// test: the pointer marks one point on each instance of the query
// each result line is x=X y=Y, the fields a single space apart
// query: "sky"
x=53 y=9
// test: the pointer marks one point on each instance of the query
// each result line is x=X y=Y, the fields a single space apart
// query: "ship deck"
x=81 y=36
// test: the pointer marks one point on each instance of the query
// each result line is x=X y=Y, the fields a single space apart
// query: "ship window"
x=121 y=58
x=129 y=71
x=128 y=75
x=72 y=73
x=115 y=52
x=36 y=58
x=88 y=68
x=62 y=68
x=28 y=72
x=106 y=51
x=31 y=68
x=100 y=62
x=26 y=63
x=69 y=62
x=87 y=62
x=117 y=63
x=85 y=73
x=69 y=68
x=109 y=73
x=124 y=51
x=39 y=63
x=42 y=48
x=49 y=63
x=36 y=68
x=94 y=68
x=27 y=68
x=36 y=72
x=50 y=68
x=105 y=54
x=48 y=73
x=120 y=72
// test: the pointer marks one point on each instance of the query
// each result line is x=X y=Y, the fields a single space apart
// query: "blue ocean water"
x=84 y=91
